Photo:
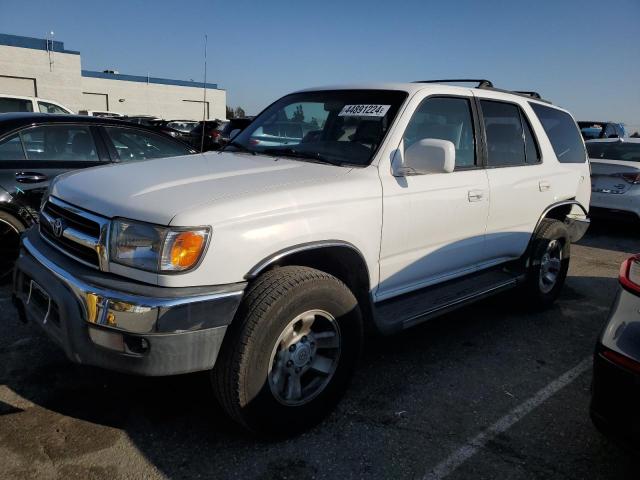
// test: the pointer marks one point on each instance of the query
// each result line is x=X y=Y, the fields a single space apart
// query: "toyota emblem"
x=58 y=227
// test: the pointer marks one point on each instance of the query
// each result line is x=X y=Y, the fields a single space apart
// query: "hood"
x=157 y=190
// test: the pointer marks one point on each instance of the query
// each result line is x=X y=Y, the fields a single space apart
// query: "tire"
x=548 y=263
x=255 y=374
x=10 y=230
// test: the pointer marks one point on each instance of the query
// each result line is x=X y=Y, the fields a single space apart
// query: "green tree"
x=240 y=112
x=230 y=112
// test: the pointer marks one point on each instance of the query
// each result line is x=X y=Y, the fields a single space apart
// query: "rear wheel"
x=10 y=230
x=290 y=352
x=548 y=264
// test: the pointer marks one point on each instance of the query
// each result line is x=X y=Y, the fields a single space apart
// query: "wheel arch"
x=339 y=258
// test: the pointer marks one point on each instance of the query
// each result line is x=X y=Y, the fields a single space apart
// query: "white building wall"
x=60 y=83
x=27 y=71
x=165 y=101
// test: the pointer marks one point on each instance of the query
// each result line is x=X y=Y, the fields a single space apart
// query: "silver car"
x=615 y=177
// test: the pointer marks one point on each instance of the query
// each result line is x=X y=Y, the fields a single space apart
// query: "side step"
x=416 y=307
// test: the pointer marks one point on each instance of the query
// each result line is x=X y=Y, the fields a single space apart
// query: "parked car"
x=211 y=135
x=592 y=130
x=233 y=126
x=16 y=103
x=180 y=129
x=34 y=148
x=264 y=263
x=100 y=113
x=616 y=365
x=615 y=177
x=147 y=120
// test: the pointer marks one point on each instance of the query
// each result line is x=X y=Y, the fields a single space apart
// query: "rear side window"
x=505 y=137
x=15 y=105
x=132 y=144
x=11 y=148
x=563 y=134
x=626 y=151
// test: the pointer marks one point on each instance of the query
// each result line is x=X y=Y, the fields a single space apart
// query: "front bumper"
x=107 y=321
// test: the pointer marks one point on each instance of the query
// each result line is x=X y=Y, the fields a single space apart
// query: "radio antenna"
x=204 y=95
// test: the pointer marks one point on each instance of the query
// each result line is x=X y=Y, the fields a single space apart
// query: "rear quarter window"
x=562 y=132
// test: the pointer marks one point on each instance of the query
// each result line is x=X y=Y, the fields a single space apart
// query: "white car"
x=100 y=113
x=265 y=263
x=615 y=177
x=15 y=103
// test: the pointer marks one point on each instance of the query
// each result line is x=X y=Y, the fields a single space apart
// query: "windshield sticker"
x=364 y=110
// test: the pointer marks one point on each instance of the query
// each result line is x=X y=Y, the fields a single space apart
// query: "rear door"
x=32 y=157
x=521 y=185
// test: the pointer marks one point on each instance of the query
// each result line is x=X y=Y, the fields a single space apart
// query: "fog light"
x=106 y=339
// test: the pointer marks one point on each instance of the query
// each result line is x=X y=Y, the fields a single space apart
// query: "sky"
x=582 y=55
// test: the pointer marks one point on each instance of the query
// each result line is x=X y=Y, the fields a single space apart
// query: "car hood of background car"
x=157 y=190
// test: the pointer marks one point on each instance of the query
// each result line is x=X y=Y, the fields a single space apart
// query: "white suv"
x=15 y=103
x=265 y=262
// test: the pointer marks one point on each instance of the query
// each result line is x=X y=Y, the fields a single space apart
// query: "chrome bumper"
x=103 y=320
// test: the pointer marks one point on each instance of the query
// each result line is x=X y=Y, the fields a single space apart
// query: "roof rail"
x=487 y=85
x=535 y=95
x=482 y=83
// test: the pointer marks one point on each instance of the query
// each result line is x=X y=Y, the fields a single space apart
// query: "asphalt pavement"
x=491 y=391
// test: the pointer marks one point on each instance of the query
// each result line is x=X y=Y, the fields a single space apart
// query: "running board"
x=416 y=307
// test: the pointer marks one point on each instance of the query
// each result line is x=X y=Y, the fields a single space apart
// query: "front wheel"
x=290 y=352
x=548 y=263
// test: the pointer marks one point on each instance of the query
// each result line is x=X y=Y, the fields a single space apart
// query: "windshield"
x=629 y=151
x=337 y=127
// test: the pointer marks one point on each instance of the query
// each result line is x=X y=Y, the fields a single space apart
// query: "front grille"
x=81 y=234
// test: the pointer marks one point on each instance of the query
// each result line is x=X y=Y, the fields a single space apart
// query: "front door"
x=32 y=157
x=434 y=224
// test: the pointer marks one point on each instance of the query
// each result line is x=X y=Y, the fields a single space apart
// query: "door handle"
x=475 y=195
x=544 y=186
x=30 y=177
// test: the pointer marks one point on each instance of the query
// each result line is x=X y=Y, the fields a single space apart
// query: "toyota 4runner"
x=339 y=210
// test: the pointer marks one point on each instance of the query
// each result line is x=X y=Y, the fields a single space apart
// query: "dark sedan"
x=34 y=148
x=615 y=403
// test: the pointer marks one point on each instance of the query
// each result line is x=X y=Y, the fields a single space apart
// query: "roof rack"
x=488 y=85
x=482 y=83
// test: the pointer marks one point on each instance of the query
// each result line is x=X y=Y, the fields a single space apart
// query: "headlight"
x=154 y=248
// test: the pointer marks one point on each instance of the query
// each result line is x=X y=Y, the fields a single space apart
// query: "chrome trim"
x=258 y=268
x=99 y=302
x=100 y=245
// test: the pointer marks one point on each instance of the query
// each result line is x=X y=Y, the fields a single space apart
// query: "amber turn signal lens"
x=186 y=249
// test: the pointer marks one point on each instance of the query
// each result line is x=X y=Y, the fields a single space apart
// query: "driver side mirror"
x=429 y=155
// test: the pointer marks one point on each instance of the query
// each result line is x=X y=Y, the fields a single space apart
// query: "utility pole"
x=204 y=100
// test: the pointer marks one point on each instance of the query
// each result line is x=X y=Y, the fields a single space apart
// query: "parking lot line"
x=462 y=454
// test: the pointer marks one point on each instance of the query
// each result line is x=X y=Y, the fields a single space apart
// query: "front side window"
x=15 y=105
x=60 y=142
x=505 y=135
x=341 y=127
x=46 y=107
x=563 y=134
x=445 y=118
x=11 y=148
x=132 y=144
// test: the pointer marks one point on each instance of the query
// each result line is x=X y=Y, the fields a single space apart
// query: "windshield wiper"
x=239 y=146
x=292 y=152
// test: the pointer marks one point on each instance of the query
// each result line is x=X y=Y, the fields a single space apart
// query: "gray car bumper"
x=103 y=320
